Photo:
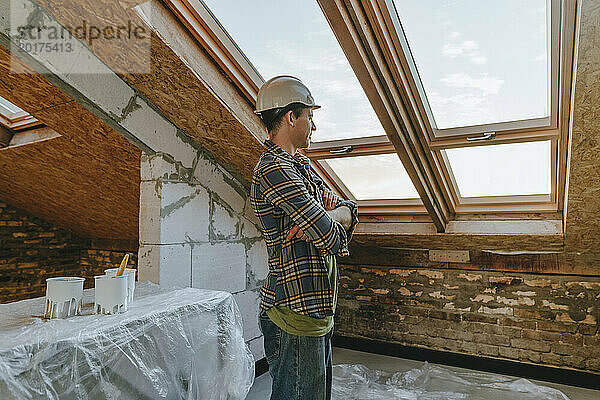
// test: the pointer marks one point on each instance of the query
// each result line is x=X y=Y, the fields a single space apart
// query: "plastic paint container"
x=63 y=296
x=130 y=273
x=111 y=294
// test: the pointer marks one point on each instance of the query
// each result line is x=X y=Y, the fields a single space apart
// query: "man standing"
x=305 y=226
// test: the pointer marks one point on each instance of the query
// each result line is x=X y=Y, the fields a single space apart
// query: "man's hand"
x=343 y=215
x=328 y=200
x=297 y=232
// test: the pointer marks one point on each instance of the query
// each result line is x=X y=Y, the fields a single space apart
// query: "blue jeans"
x=299 y=365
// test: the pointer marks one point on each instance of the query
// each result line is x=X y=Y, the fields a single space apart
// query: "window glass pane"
x=379 y=177
x=8 y=107
x=479 y=61
x=284 y=37
x=502 y=170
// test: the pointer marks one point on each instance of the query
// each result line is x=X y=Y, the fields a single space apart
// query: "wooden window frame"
x=21 y=128
x=522 y=128
x=210 y=34
x=375 y=145
x=555 y=128
x=17 y=121
x=376 y=30
x=366 y=30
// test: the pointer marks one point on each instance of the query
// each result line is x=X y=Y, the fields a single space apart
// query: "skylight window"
x=13 y=117
x=480 y=62
x=303 y=46
x=374 y=177
x=7 y=108
x=502 y=170
x=443 y=75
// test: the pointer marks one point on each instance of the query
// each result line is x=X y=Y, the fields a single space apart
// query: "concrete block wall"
x=532 y=318
x=197 y=229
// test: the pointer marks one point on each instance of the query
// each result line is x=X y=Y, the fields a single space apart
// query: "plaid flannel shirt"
x=284 y=193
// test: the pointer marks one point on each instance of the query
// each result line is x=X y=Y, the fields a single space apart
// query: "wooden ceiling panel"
x=26 y=88
x=86 y=181
x=187 y=100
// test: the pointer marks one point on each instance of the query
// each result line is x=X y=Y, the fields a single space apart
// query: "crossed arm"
x=341 y=214
x=283 y=186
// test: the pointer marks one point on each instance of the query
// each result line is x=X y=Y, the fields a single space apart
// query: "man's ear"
x=290 y=117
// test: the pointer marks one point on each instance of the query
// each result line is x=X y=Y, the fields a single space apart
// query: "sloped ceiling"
x=87 y=180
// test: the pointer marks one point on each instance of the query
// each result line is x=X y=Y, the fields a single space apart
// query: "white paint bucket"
x=111 y=294
x=130 y=272
x=63 y=296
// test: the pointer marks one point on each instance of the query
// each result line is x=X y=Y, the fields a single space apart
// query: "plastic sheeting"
x=429 y=382
x=171 y=344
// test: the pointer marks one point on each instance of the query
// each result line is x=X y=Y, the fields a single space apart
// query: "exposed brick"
x=450 y=334
x=509 y=352
x=592 y=341
x=556 y=327
x=574 y=361
x=517 y=322
x=533 y=334
x=480 y=318
x=528 y=355
x=563 y=349
x=447 y=315
x=528 y=344
x=491 y=339
x=552 y=359
x=509 y=331
x=572 y=339
x=469 y=347
x=504 y=280
x=527 y=314
x=487 y=350
x=593 y=364
x=32 y=250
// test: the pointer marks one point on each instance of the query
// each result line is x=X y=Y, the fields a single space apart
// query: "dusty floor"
x=262 y=385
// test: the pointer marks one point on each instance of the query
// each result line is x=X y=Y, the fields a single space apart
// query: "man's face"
x=303 y=129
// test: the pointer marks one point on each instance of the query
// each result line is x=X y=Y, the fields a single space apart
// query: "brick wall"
x=32 y=250
x=95 y=261
x=534 y=318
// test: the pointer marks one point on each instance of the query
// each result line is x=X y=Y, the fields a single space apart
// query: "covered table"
x=170 y=344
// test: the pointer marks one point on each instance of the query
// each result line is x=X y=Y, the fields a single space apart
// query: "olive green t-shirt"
x=302 y=325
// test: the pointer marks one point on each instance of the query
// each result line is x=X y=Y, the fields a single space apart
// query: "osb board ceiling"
x=583 y=204
x=182 y=96
x=86 y=181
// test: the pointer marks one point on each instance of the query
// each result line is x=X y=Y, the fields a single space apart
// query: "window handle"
x=345 y=149
x=486 y=136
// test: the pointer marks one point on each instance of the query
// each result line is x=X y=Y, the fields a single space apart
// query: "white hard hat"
x=282 y=91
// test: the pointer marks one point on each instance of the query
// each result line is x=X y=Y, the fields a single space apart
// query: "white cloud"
x=467 y=48
x=479 y=60
x=452 y=50
x=540 y=57
x=461 y=109
x=484 y=82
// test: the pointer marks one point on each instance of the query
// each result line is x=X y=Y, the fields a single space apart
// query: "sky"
x=479 y=62
x=9 y=106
